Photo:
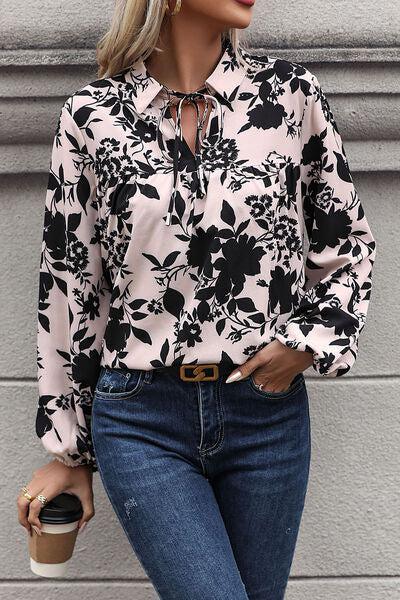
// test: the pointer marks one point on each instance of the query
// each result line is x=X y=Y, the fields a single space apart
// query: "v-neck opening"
x=188 y=152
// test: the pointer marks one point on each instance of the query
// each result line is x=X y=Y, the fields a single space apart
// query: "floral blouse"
x=155 y=255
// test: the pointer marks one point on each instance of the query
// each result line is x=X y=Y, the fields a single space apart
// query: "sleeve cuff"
x=325 y=363
x=70 y=463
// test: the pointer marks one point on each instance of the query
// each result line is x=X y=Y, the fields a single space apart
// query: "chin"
x=240 y=23
x=237 y=14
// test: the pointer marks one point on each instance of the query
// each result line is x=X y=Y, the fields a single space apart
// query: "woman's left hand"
x=274 y=366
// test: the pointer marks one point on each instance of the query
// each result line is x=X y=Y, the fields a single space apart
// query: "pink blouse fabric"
x=153 y=255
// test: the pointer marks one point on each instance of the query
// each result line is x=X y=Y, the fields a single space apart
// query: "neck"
x=183 y=66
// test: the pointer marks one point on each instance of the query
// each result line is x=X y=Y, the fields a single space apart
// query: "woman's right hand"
x=53 y=479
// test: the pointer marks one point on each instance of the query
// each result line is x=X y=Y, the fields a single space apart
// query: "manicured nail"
x=81 y=528
x=37 y=530
x=234 y=377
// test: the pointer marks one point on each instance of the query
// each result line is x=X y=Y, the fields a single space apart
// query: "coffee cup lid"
x=64 y=508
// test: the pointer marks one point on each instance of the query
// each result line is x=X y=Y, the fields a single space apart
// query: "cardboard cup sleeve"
x=52 y=548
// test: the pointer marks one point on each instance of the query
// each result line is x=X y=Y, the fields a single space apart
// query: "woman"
x=176 y=312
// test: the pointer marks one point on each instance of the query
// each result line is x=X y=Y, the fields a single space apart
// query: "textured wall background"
x=348 y=545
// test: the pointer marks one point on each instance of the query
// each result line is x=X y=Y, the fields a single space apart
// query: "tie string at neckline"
x=189 y=97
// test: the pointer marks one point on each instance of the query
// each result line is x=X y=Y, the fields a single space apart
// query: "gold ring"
x=41 y=499
x=26 y=494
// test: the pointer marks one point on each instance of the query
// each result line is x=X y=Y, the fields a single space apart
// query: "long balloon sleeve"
x=73 y=299
x=332 y=312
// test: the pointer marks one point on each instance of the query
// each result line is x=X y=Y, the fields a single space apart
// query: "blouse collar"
x=224 y=80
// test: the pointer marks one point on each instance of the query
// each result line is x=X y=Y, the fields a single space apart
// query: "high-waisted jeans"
x=207 y=479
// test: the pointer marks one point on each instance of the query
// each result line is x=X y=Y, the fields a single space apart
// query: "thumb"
x=246 y=368
x=88 y=509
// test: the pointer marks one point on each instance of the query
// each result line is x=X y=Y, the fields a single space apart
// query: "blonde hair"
x=133 y=34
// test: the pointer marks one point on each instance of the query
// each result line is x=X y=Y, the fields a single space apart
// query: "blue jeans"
x=207 y=479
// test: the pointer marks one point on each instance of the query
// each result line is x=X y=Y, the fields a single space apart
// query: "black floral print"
x=153 y=255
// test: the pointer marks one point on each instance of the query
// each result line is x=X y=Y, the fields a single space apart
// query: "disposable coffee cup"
x=51 y=551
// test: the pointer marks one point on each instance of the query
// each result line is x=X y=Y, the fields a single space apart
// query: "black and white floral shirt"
x=153 y=255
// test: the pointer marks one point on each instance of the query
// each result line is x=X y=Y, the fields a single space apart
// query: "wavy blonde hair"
x=133 y=34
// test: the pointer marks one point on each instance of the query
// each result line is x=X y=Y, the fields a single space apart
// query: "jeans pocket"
x=119 y=384
x=297 y=382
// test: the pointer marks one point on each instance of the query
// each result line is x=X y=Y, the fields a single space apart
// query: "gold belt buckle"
x=199 y=372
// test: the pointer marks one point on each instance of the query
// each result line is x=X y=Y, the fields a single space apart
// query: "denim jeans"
x=207 y=479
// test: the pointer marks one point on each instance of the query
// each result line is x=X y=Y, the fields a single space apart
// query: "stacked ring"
x=29 y=496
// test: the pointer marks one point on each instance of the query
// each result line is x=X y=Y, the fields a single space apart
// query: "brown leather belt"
x=200 y=372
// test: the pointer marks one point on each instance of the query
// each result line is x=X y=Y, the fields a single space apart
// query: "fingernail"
x=234 y=377
x=37 y=530
x=82 y=526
